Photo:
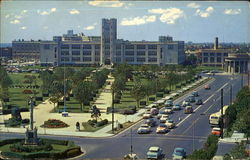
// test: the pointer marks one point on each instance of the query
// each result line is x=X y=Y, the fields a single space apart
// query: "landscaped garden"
x=46 y=148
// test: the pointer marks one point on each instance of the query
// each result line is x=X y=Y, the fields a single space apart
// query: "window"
x=218 y=54
x=65 y=46
x=141 y=60
x=118 y=46
x=129 y=53
x=211 y=54
x=97 y=46
x=118 y=53
x=86 y=52
x=152 y=53
x=107 y=53
x=218 y=59
x=225 y=54
x=211 y=59
x=107 y=47
x=170 y=46
x=46 y=46
x=97 y=59
x=205 y=54
x=64 y=52
x=140 y=53
x=86 y=46
x=76 y=46
x=75 y=52
x=129 y=59
x=97 y=53
x=65 y=59
x=205 y=60
x=141 y=46
x=129 y=47
x=152 y=59
x=75 y=59
x=86 y=59
x=118 y=59
x=152 y=46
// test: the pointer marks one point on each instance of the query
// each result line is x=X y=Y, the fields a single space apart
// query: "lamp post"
x=112 y=110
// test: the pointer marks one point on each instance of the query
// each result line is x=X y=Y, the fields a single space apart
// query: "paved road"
x=190 y=133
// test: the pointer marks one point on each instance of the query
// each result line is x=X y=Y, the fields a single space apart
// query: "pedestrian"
x=179 y=118
x=77 y=126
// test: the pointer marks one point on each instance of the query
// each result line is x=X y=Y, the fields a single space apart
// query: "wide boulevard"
x=190 y=133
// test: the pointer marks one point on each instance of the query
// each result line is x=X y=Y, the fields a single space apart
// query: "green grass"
x=209 y=68
x=89 y=128
x=5 y=148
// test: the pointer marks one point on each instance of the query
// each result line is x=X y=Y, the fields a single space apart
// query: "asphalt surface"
x=191 y=131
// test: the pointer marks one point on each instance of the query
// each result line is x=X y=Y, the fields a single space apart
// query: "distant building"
x=6 y=52
x=237 y=63
x=78 y=49
x=215 y=56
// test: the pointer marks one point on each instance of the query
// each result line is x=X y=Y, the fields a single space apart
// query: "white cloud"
x=89 y=27
x=45 y=27
x=112 y=3
x=18 y=16
x=23 y=27
x=52 y=9
x=232 y=11
x=16 y=21
x=169 y=15
x=24 y=11
x=43 y=12
x=205 y=13
x=137 y=20
x=7 y=16
x=193 y=5
x=74 y=11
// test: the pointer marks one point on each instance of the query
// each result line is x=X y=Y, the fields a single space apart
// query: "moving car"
x=179 y=153
x=154 y=152
x=162 y=128
x=198 y=102
x=154 y=111
x=144 y=129
x=168 y=103
x=160 y=114
x=151 y=122
x=163 y=118
x=216 y=131
x=195 y=93
x=176 y=107
x=168 y=110
x=191 y=99
x=185 y=103
x=207 y=87
x=170 y=124
x=188 y=109
x=147 y=115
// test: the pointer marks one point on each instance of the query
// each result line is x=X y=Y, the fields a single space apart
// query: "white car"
x=168 y=110
x=163 y=118
x=185 y=103
x=147 y=116
x=170 y=123
x=144 y=128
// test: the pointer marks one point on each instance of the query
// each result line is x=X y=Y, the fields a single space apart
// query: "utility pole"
x=231 y=94
x=112 y=111
x=131 y=145
x=222 y=117
x=248 y=78
x=242 y=81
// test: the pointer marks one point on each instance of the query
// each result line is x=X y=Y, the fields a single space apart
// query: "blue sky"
x=141 y=20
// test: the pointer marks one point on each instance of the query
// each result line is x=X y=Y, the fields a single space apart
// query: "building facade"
x=78 y=49
x=6 y=52
x=237 y=63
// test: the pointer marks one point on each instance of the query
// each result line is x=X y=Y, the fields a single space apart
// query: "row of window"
x=139 y=46
x=78 y=53
x=79 y=46
x=213 y=54
x=212 y=60
x=78 y=59
x=139 y=59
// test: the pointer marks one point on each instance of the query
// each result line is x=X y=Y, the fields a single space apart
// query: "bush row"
x=97 y=124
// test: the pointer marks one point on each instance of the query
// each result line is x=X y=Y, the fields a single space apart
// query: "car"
x=191 y=99
x=176 y=107
x=247 y=149
x=179 y=153
x=154 y=152
x=198 y=102
x=185 y=103
x=195 y=93
x=188 y=109
x=205 y=71
x=162 y=128
x=207 y=87
x=151 y=122
x=154 y=111
x=147 y=115
x=216 y=131
x=168 y=103
x=160 y=114
x=168 y=110
x=170 y=123
x=130 y=156
x=144 y=129
x=163 y=118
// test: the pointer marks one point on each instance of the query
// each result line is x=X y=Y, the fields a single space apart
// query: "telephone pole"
x=231 y=94
x=222 y=116
x=113 y=111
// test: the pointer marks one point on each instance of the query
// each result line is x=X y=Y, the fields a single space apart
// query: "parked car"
x=185 y=103
x=188 y=109
x=168 y=110
x=179 y=153
x=195 y=93
x=163 y=118
x=170 y=123
x=154 y=111
x=168 y=103
x=162 y=128
x=147 y=115
x=207 y=87
x=154 y=152
x=216 y=131
x=191 y=99
x=151 y=122
x=176 y=107
x=144 y=129
x=198 y=102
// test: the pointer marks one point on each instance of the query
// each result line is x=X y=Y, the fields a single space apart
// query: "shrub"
x=25 y=121
x=159 y=95
x=143 y=102
x=27 y=91
x=151 y=98
x=39 y=98
x=102 y=123
x=19 y=147
x=54 y=123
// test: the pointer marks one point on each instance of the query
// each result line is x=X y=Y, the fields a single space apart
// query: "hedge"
x=151 y=98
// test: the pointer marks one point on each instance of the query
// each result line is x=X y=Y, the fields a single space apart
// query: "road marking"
x=191 y=125
x=222 y=87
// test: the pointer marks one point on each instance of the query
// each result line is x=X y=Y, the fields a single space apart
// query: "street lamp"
x=112 y=89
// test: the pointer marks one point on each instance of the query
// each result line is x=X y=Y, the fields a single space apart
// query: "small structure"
x=237 y=63
x=31 y=133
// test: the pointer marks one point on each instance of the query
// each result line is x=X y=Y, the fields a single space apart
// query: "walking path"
x=42 y=113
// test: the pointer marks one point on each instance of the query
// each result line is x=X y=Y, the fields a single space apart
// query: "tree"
x=57 y=91
x=95 y=112
x=47 y=79
x=137 y=92
x=148 y=88
x=5 y=83
x=83 y=92
x=238 y=152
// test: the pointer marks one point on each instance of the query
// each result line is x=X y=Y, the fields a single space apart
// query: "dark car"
x=151 y=122
x=195 y=93
x=199 y=102
x=191 y=99
x=176 y=107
